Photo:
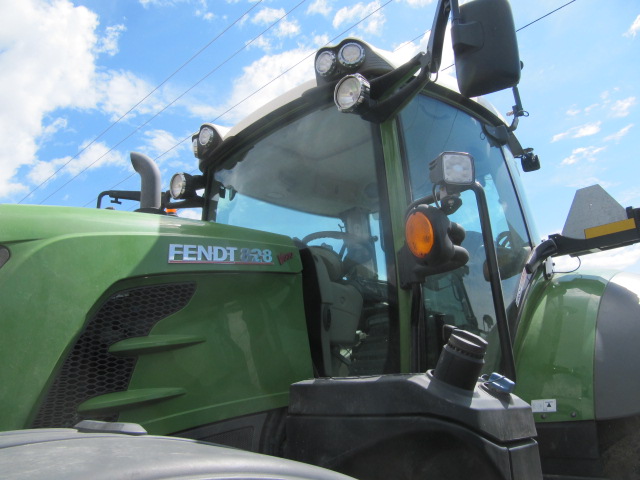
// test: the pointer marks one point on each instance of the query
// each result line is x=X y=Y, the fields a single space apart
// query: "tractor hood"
x=62 y=268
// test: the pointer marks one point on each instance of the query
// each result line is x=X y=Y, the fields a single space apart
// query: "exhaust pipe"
x=150 y=188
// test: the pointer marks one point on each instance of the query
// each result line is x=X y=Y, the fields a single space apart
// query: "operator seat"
x=340 y=309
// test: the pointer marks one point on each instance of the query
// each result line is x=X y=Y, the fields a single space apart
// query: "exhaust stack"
x=150 y=189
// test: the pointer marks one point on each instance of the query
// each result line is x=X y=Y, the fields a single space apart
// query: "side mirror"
x=485 y=47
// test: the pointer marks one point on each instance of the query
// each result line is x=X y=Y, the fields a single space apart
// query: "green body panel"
x=70 y=260
x=555 y=344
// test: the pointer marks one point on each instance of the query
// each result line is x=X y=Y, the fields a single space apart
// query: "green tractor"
x=358 y=231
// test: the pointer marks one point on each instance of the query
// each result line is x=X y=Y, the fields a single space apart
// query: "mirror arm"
x=387 y=82
x=517 y=111
x=378 y=112
x=436 y=39
x=428 y=63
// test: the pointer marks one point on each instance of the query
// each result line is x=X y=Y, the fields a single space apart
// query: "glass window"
x=463 y=297
x=314 y=179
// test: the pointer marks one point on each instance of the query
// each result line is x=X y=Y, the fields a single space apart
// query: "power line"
x=404 y=44
x=262 y=87
x=142 y=100
x=259 y=89
x=169 y=104
x=546 y=15
x=529 y=24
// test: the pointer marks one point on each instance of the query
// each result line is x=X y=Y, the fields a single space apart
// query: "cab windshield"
x=314 y=179
x=462 y=297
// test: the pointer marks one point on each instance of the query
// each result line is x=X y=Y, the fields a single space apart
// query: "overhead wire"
x=169 y=104
x=404 y=44
x=115 y=122
x=259 y=89
x=243 y=100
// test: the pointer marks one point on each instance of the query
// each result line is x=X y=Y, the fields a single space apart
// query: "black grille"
x=90 y=370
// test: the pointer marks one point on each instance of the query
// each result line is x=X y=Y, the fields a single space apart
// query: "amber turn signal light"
x=419 y=234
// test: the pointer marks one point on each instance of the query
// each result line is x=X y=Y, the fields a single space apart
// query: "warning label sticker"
x=546 y=405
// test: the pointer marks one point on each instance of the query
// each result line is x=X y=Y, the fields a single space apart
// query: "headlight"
x=351 y=92
x=351 y=55
x=178 y=185
x=325 y=63
x=183 y=185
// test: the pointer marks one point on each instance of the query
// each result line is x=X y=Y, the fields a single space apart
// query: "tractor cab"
x=339 y=184
x=316 y=178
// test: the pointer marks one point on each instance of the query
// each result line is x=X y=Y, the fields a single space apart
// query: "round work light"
x=351 y=92
x=351 y=55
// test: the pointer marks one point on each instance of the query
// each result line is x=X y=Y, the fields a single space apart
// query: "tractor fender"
x=573 y=346
x=617 y=348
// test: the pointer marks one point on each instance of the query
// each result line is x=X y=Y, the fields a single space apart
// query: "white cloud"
x=573 y=111
x=109 y=43
x=260 y=42
x=161 y=3
x=320 y=40
x=634 y=28
x=46 y=62
x=48 y=54
x=192 y=213
x=629 y=196
x=96 y=155
x=372 y=25
x=616 y=137
x=268 y=15
x=618 y=259
x=419 y=3
x=118 y=91
x=48 y=131
x=287 y=28
x=621 y=107
x=585 y=130
x=264 y=80
x=284 y=27
x=582 y=154
x=161 y=142
x=320 y=7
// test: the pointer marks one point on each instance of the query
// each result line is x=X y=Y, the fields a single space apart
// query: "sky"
x=83 y=83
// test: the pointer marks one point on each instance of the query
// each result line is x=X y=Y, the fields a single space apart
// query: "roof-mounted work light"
x=194 y=144
x=206 y=140
x=351 y=93
x=351 y=55
x=326 y=63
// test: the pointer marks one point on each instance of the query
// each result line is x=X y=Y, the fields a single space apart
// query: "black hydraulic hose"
x=543 y=251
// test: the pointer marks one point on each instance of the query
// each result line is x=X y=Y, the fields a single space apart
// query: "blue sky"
x=70 y=69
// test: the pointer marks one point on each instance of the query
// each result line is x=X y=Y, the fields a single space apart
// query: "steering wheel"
x=344 y=236
x=503 y=239
x=362 y=250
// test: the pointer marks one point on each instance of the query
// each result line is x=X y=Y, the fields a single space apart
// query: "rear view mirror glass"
x=485 y=47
